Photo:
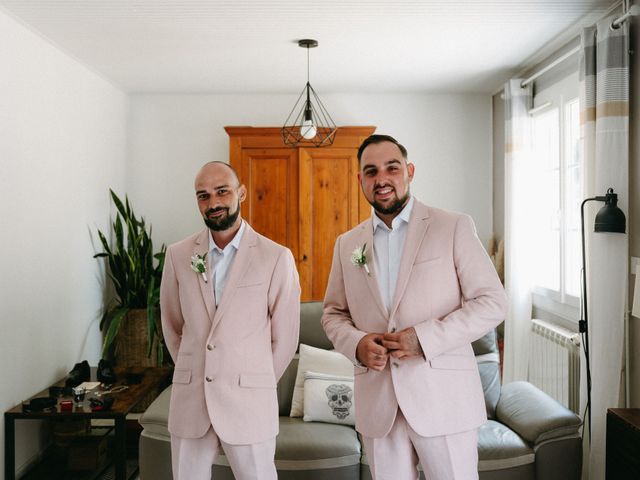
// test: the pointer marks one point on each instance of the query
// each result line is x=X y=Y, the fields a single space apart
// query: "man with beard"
x=230 y=303
x=409 y=290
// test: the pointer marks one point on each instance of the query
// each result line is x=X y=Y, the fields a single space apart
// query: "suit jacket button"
x=209 y=347
x=209 y=379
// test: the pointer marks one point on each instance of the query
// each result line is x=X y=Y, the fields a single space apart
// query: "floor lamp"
x=610 y=219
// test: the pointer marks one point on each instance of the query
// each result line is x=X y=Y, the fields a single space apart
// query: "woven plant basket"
x=131 y=348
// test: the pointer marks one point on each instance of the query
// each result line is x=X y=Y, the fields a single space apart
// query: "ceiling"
x=198 y=46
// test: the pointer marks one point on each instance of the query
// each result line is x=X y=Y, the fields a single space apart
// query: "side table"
x=153 y=379
x=623 y=444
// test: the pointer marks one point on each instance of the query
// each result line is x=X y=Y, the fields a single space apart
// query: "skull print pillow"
x=328 y=398
x=319 y=360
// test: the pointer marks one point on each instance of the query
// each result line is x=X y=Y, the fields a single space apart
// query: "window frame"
x=559 y=95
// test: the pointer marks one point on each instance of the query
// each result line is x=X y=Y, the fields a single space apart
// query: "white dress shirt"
x=388 y=244
x=220 y=261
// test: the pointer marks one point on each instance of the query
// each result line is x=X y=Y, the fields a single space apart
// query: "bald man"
x=230 y=302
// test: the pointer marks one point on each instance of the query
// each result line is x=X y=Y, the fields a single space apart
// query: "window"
x=558 y=160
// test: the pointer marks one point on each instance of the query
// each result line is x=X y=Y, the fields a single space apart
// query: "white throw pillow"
x=321 y=361
x=329 y=398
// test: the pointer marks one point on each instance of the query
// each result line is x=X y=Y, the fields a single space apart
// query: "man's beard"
x=223 y=222
x=395 y=207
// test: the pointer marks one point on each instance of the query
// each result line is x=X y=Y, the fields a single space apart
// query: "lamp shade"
x=610 y=218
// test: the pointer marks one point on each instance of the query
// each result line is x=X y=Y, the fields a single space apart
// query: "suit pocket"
x=250 y=283
x=182 y=375
x=427 y=261
x=256 y=380
x=453 y=362
x=184 y=363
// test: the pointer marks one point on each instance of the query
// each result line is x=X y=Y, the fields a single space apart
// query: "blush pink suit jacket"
x=243 y=346
x=448 y=290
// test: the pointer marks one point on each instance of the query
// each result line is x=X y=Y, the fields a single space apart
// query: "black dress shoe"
x=106 y=374
x=81 y=372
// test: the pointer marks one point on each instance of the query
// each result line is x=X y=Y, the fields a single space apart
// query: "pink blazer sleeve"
x=284 y=308
x=171 y=315
x=484 y=300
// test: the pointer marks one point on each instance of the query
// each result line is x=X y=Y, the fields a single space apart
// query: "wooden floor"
x=52 y=469
x=109 y=474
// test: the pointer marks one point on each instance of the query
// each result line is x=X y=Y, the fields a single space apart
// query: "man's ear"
x=242 y=193
x=411 y=168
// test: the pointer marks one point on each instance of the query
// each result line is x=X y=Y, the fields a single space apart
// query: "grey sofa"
x=528 y=436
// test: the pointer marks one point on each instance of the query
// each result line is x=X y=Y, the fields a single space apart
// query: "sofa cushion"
x=500 y=447
x=490 y=378
x=285 y=386
x=309 y=445
x=535 y=415
x=155 y=419
x=486 y=344
x=311 y=331
x=488 y=358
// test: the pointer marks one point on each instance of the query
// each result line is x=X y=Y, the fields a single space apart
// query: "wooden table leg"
x=9 y=448
x=120 y=459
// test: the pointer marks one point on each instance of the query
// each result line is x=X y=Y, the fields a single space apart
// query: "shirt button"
x=209 y=347
x=395 y=364
x=209 y=379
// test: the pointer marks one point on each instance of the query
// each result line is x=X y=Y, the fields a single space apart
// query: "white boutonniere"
x=359 y=259
x=199 y=265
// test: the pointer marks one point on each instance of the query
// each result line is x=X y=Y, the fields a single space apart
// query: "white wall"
x=448 y=138
x=62 y=145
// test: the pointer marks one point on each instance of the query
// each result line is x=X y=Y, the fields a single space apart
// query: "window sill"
x=567 y=313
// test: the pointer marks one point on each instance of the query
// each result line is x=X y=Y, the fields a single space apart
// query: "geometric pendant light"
x=309 y=123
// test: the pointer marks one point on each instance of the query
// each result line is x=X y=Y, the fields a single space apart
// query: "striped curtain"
x=604 y=118
x=519 y=237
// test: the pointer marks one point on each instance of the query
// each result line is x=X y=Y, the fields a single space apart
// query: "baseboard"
x=31 y=462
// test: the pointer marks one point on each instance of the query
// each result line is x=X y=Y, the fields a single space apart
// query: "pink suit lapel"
x=201 y=248
x=417 y=228
x=366 y=236
x=240 y=265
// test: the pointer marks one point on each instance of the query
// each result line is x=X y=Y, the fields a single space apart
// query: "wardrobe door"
x=271 y=178
x=329 y=205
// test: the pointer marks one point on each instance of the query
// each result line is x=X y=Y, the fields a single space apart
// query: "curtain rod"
x=559 y=41
x=632 y=12
x=544 y=70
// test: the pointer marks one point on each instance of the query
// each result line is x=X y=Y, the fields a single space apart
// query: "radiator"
x=554 y=362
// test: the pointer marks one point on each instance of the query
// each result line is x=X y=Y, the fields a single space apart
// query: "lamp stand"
x=583 y=324
x=609 y=219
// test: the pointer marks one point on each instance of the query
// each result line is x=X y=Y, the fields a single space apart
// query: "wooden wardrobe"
x=301 y=197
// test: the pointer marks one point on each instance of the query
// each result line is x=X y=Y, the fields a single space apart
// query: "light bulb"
x=308 y=130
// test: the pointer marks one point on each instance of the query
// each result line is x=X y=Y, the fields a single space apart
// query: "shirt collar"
x=234 y=243
x=403 y=216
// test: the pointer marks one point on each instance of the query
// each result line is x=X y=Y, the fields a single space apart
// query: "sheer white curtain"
x=604 y=118
x=519 y=237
